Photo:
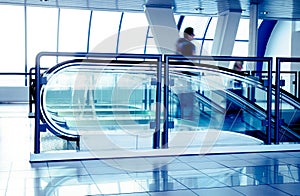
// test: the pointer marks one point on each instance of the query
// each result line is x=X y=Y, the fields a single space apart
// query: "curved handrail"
x=241 y=101
x=115 y=65
x=111 y=66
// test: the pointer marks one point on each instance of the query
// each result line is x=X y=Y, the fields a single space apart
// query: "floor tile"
x=67 y=172
x=105 y=170
x=218 y=191
x=199 y=181
x=277 y=155
x=236 y=163
x=222 y=157
x=248 y=156
x=266 y=173
x=65 y=164
x=230 y=177
x=4 y=177
x=293 y=161
x=195 y=158
x=121 y=186
x=74 y=190
x=99 y=163
x=131 y=194
x=290 y=188
x=205 y=165
x=260 y=190
x=294 y=153
x=23 y=183
x=174 y=193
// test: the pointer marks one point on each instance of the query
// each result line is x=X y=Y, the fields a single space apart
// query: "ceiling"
x=267 y=9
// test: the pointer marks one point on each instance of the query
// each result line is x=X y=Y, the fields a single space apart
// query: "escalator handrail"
x=50 y=123
x=244 y=76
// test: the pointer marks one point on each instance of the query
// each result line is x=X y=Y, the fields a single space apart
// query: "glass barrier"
x=226 y=108
x=99 y=105
x=287 y=107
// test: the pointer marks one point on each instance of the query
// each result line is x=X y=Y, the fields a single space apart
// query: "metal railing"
x=39 y=127
x=278 y=84
x=169 y=58
x=160 y=137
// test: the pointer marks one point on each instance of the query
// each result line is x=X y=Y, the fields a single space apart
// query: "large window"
x=73 y=30
x=26 y=31
x=104 y=31
x=12 y=47
x=133 y=34
x=41 y=33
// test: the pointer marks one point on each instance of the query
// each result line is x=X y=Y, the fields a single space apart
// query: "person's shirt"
x=185 y=47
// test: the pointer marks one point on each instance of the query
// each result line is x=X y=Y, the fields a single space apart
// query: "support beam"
x=253 y=30
x=164 y=31
x=225 y=34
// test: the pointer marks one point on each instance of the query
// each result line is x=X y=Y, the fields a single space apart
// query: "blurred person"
x=184 y=46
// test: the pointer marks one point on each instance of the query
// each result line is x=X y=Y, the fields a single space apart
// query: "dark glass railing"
x=228 y=101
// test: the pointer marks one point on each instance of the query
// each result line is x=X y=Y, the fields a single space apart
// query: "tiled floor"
x=265 y=173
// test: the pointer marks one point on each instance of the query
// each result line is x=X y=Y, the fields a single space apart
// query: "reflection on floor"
x=264 y=173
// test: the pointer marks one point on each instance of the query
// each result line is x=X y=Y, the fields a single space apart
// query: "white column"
x=163 y=28
x=225 y=34
x=224 y=39
x=253 y=28
x=253 y=32
x=295 y=48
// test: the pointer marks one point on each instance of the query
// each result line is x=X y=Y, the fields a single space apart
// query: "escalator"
x=227 y=108
x=84 y=97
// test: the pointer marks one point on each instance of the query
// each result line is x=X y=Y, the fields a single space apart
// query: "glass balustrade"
x=99 y=105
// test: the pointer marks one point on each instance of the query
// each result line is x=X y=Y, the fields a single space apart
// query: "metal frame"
x=162 y=135
x=278 y=121
x=39 y=127
x=167 y=58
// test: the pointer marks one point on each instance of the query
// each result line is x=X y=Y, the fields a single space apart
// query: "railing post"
x=277 y=96
x=37 y=134
x=156 y=134
x=269 y=102
x=165 y=136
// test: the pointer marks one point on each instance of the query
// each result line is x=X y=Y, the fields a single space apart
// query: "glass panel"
x=288 y=73
x=176 y=17
x=207 y=46
x=42 y=36
x=217 y=108
x=104 y=32
x=243 y=30
x=240 y=48
x=289 y=115
x=212 y=28
x=198 y=23
x=133 y=34
x=73 y=30
x=12 y=48
x=151 y=47
x=97 y=101
x=289 y=108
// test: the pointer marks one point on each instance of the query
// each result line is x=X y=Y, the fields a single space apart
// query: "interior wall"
x=14 y=94
x=280 y=40
x=280 y=45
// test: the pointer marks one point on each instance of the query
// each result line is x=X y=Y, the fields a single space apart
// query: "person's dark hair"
x=238 y=65
x=189 y=31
